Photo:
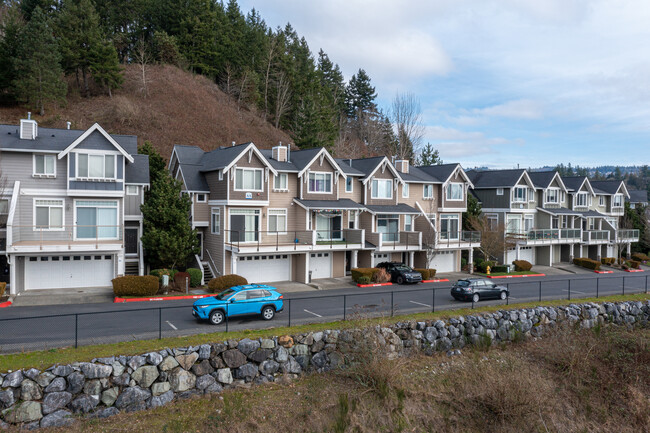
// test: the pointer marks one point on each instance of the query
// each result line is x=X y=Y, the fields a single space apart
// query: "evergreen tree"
x=157 y=164
x=429 y=156
x=360 y=95
x=38 y=78
x=48 y=7
x=473 y=211
x=105 y=68
x=11 y=27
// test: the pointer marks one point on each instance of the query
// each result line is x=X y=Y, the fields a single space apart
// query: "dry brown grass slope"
x=179 y=108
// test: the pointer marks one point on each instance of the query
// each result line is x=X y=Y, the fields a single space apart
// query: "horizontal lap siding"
x=317 y=167
x=255 y=162
x=215 y=242
x=387 y=174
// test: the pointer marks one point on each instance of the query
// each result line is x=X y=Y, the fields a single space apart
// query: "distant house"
x=638 y=198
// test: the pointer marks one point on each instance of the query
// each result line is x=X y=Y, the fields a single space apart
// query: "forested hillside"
x=85 y=53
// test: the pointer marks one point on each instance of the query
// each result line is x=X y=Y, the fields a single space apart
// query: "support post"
x=470 y=261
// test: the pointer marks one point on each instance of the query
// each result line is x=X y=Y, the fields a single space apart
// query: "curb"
x=158 y=298
x=633 y=270
x=438 y=280
x=516 y=276
x=374 y=285
x=5 y=304
x=604 y=272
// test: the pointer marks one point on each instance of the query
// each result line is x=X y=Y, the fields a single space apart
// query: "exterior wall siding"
x=387 y=174
x=218 y=188
x=255 y=162
x=317 y=167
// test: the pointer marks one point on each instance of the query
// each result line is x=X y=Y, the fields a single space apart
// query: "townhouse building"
x=277 y=215
x=70 y=205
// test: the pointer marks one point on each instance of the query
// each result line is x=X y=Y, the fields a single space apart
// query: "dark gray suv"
x=400 y=273
x=475 y=289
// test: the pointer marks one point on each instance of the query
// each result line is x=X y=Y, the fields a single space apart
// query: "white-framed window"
x=201 y=198
x=320 y=182
x=564 y=220
x=4 y=206
x=519 y=194
x=388 y=226
x=215 y=221
x=96 y=219
x=562 y=196
x=499 y=191
x=581 y=199
x=455 y=191
x=277 y=220
x=427 y=191
x=531 y=194
x=349 y=184
x=592 y=223
x=449 y=226
x=44 y=165
x=248 y=179
x=281 y=182
x=405 y=190
x=132 y=190
x=352 y=218
x=382 y=188
x=553 y=195
x=618 y=200
x=601 y=200
x=492 y=221
x=408 y=223
x=528 y=223
x=48 y=214
x=96 y=166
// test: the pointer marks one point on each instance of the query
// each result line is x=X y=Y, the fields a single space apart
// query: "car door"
x=490 y=290
x=237 y=303
x=254 y=301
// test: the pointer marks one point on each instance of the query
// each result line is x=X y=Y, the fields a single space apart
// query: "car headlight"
x=204 y=306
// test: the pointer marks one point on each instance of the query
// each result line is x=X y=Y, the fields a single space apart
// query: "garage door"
x=58 y=272
x=265 y=269
x=525 y=253
x=380 y=257
x=444 y=261
x=320 y=265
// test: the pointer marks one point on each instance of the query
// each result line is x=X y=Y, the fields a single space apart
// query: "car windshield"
x=225 y=294
x=403 y=268
x=462 y=283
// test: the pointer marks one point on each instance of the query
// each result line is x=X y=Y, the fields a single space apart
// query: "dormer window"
x=44 y=166
x=248 y=179
x=455 y=191
x=553 y=195
x=99 y=167
x=581 y=199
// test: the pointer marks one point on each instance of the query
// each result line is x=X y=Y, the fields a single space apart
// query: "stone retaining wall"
x=106 y=386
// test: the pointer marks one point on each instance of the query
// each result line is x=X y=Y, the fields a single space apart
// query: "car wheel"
x=399 y=279
x=476 y=297
x=504 y=295
x=216 y=317
x=268 y=313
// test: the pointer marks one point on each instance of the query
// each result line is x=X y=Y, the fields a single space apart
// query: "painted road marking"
x=170 y=324
x=311 y=312
x=575 y=291
x=420 y=303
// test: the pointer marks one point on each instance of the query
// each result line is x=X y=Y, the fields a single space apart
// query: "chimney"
x=68 y=123
x=232 y=143
x=402 y=165
x=280 y=153
x=28 y=128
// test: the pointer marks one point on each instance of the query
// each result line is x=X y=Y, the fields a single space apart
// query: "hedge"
x=634 y=264
x=608 y=260
x=587 y=263
x=482 y=267
x=179 y=279
x=134 y=285
x=195 y=276
x=3 y=287
x=363 y=272
x=640 y=257
x=219 y=284
x=499 y=268
x=522 y=265
x=427 y=274
x=363 y=280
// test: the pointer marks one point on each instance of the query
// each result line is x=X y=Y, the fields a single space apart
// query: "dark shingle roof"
x=188 y=154
x=301 y=158
x=593 y=213
x=559 y=211
x=439 y=172
x=573 y=183
x=495 y=178
x=344 y=203
x=347 y=168
x=393 y=208
x=220 y=158
x=608 y=186
x=194 y=179
x=417 y=174
x=278 y=165
x=138 y=171
x=637 y=196
x=541 y=179
x=367 y=165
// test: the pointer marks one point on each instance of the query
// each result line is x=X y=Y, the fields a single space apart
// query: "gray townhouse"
x=71 y=206
x=279 y=215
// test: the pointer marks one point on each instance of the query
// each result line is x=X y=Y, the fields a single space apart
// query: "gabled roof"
x=187 y=154
x=638 y=196
x=610 y=186
x=544 y=179
x=106 y=135
x=370 y=165
x=347 y=168
x=497 y=178
x=444 y=172
x=574 y=183
x=283 y=166
x=138 y=170
x=303 y=159
x=194 y=179
x=225 y=157
x=417 y=175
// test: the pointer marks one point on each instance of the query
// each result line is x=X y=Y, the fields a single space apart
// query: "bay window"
x=96 y=219
x=48 y=214
x=91 y=166
x=382 y=188
x=248 y=179
x=455 y=191
x=320 y=183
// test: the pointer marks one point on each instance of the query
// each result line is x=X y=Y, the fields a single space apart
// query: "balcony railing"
x=396 y=240
x=41 y=236
x=541 y=235
x=457 y=238
x=595 y=235
x=297 y=239
x=626 y=234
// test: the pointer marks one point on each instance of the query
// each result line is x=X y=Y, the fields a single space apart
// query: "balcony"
x=301 y=240
x=627 y=235
x=596 y=236
x=547 y=236
x=31 y=238
x=460 y=239
x=396 y=241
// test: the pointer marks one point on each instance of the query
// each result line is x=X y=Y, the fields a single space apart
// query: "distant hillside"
x=179 y=108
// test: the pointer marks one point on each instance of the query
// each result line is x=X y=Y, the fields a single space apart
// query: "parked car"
x=400 y=273
x=475 y=289
x=250 y=299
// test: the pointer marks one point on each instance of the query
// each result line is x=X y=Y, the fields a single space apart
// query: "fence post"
x=540 y=291
x=391 y=304
x=345 y=304
x=76 y=331
x=159 y=323
x=289 y=300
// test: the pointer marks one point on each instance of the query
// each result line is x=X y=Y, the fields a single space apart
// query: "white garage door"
x=525 y=253
x=58 y=272
x=444 y=261
x=320 y=265
x=265 y=269
x=380 y=257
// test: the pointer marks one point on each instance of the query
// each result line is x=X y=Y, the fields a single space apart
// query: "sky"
x=501 y=83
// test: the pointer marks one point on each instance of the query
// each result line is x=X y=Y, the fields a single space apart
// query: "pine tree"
x=429 y=156
x=39 y=79
x=473 y=211
x=105 y=68
x=360 y=95
x=157 y=164
x=11 y=27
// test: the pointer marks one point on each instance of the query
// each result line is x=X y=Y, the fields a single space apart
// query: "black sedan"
x=475 y=289
x=400 y=273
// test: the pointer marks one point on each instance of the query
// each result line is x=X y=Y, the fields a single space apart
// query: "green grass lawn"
x=499 y=274
x=46 y=358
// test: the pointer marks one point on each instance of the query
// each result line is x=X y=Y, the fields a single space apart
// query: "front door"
x=131 y=241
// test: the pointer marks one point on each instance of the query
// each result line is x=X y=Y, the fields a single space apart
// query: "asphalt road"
x=44 y=327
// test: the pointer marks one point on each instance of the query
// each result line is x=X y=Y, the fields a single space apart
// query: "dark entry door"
x=131 y=241
x=237 y=228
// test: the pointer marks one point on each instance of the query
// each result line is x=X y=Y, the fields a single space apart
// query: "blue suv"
x=239 y=301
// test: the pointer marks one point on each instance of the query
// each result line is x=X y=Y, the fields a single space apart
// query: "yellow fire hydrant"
x=488 y=270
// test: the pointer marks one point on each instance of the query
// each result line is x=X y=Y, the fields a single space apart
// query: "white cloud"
x=454 y=143
x=519 y=109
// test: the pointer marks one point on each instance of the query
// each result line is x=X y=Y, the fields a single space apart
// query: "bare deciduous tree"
x=143 y=58
x=494 y=237
x=282 y=96
x=406 y=116
x=269 y=59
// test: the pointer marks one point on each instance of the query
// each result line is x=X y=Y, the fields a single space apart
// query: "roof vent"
x=279 y=153
x=402 y=165
x=232 y=143
x=28 y=128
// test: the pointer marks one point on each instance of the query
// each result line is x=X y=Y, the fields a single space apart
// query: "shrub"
x=640 y=257
x=363 y=280
x=3 y=288
x=381 y=276
x=427 y=274
x=219 y=284
x=482 y=267
x=499 y=268
x=195 y=276
x=587 y=263
x=478 y=261
x=463 y=262
x=363 y=272
x=608 y=260
x=160 y=272
x=134 y=285
x=522 y=265
x=179 y=279
x=634 y=264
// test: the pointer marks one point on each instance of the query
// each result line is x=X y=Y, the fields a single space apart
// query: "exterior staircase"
x=131 y=268
x=207 y=273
